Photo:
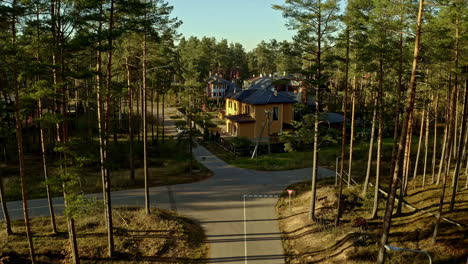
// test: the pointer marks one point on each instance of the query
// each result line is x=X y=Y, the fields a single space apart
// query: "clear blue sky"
x=245 y=21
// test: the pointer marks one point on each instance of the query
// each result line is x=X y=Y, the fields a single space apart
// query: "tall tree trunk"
x=371 y=149
x=434 y=154
x=6 y=216
x=46 y=172
x=450 y=140
x=130 y=119
x=19 y=136
x=351 y=139
x=441 y=163
x=316 y=123
x=462 y=143
x=101 y=125
x=387 y=220
x=152 y=116
x=426 y=147
x=145 y=134
x=398 y=104
x=162 y=118
x=157 y=116
x=344 y=129
x=379 y=149
x=421 y=133
x=107 y=185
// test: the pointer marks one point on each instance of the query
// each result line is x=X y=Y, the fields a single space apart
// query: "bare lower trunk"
x=351 y=139
x=162 y=119
x=450 y=140
x=6 y=216
x=46 y=172
x=421 y=133
x=102 y=130
x=344 y=131
x=434 y=154
x=130 y=120
x=107 y=186
x=371 y=149
x=379 y=157
x=152 y=116
x=157 y=117
x=19 y=137
x=456 y=173
x=145 y=132
x=387 y=221
x=426 y=148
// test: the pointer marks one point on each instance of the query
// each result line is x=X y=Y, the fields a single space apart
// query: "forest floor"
x=356 y=239
x=161 y=237
x=169 y=164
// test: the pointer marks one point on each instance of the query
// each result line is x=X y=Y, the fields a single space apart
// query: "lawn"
x=356 y=239
x=159 y=237
x=295 y=160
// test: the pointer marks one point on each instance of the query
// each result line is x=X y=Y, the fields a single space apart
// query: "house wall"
x=246 y=130
x=230 y=109
x=285 y=116
x=252 y=130
x=216 y=90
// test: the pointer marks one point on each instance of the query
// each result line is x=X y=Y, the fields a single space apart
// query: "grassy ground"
x=295 y=160
x=161 y=237
x=169 y=164
x=356 y=239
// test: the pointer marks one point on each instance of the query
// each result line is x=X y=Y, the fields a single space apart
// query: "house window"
x=275 y=113
x=235 y=106
x=246 y=109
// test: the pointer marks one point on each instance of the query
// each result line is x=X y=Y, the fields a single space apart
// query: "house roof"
x=332 y=117
x=231 y=87
x=244 y=118
x=262 y=97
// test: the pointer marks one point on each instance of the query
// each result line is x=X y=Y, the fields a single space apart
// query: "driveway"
x=236 y=207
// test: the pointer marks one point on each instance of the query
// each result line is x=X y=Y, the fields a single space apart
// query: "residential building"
x=219 y=88
x=247 y=111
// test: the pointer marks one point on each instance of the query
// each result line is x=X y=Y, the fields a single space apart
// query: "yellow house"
x=247 y=112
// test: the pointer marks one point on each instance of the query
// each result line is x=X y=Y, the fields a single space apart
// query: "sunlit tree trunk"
x=387 y=220
x=157 y=115
x=316 y=120
x=421 y=133
x=46 y=172
x=379 y=152
x=107 y=180
x=448 y=154
x=351 y=139
x=426 y=147
x=145 y=132
x=19 y=136
x=344 y=132
x=398 y=104
x=461 y=145
x=130 y=119
x=434 y=154
x=371 y=149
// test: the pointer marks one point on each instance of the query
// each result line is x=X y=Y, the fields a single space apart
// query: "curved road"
x=238 y=231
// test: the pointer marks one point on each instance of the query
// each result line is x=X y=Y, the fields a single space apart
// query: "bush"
x=241 y=142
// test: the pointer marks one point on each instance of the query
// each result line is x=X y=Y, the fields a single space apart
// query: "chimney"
x=276 y=92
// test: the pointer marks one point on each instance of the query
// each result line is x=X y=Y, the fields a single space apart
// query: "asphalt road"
x=236 y=207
